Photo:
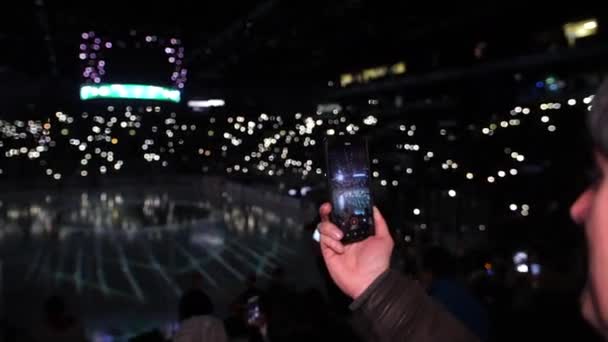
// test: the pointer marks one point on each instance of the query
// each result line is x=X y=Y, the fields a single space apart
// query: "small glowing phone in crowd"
x=254 y=312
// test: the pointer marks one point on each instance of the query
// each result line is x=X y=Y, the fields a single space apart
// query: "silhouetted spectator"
x=7 y=332
x=58 y=325
x=236 y=324
x=439 y=277
x=251 y=290
x=194 y=303
x=150 y=336
x=305 y=317
x=197 y=284
x=277 y=286
x=196 y=321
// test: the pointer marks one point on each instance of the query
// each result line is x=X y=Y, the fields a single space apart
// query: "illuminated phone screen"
x=349 y=181
x=253 y=310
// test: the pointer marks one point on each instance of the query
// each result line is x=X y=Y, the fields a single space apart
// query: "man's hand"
x=355 y=266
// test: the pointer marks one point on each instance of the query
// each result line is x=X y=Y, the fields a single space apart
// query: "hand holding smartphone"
x=348 y=175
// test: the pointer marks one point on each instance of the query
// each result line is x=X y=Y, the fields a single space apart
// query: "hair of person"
x=194 y=303
x=597 y=120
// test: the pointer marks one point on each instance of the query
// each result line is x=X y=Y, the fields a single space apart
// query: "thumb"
x=325 y=211
x=380 y=224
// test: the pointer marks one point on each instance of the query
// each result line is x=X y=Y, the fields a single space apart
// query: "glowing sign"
x=206 y=103
x=129 y=91
x=371 y=74
x=580 y=29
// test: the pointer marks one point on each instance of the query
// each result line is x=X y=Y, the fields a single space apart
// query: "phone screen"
x=253 y=310
x=348 y=175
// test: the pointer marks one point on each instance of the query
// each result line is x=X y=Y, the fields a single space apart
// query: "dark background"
x=468 y=67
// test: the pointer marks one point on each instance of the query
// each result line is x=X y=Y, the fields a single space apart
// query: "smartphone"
x=348 y=175
x=254 y=312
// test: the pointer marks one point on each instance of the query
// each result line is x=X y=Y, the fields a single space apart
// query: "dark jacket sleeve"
x=396 y=308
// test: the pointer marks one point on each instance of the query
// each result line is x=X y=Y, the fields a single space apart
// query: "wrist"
x=366 y=283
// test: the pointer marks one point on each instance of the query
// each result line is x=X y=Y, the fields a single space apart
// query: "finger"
x=329 y=244
x=324 y=212
x=331 y=230
x=380 y=224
